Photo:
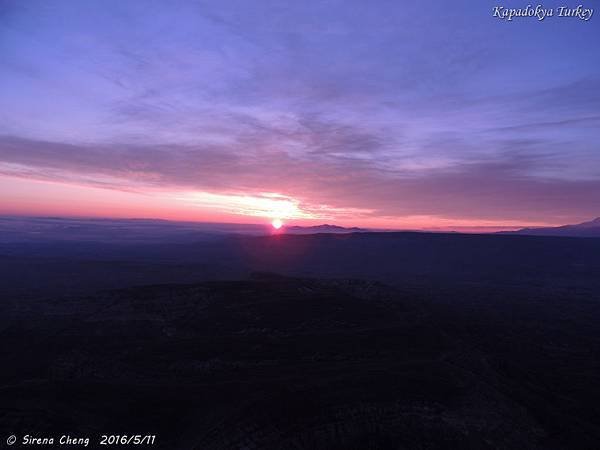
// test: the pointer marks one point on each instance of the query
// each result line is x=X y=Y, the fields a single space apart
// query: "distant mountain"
x=585 y=229
x=325 y=228
x=64 y=229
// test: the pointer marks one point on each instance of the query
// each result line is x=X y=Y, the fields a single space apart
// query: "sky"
x=389 y=114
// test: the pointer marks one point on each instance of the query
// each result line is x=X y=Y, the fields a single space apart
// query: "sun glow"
x=260 y=205
x=277 y=223
x=267 y=205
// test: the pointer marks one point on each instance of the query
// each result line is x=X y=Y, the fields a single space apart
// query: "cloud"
x=317 y=188
x=271 y=205
x=337 y=105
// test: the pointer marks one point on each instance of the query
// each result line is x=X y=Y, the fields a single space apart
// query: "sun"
x=277 y=223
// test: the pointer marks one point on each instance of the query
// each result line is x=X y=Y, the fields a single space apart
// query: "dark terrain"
x=361 y=341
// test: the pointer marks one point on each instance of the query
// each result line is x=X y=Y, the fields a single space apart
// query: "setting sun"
x=277 y=223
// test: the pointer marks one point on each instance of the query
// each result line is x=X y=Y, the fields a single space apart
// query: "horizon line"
x=266 y=224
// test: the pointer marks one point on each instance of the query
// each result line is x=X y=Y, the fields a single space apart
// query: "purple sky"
x=377 y=113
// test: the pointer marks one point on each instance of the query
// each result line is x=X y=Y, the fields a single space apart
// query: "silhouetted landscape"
x=367 y=340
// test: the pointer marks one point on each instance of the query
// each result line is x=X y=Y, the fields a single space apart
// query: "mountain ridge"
x=590 y=228
x=323 y=228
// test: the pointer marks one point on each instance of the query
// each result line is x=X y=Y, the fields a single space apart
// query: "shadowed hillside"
x=277 y=363
x=395 y=258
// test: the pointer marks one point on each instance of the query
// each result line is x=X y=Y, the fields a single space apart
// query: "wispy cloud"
x=343 y=108
x=319 y=188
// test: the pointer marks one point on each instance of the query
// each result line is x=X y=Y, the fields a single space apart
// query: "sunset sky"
x=369 y=113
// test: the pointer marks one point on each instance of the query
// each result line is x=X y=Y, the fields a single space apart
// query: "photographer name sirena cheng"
x=540 y=12
x=64 y=440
